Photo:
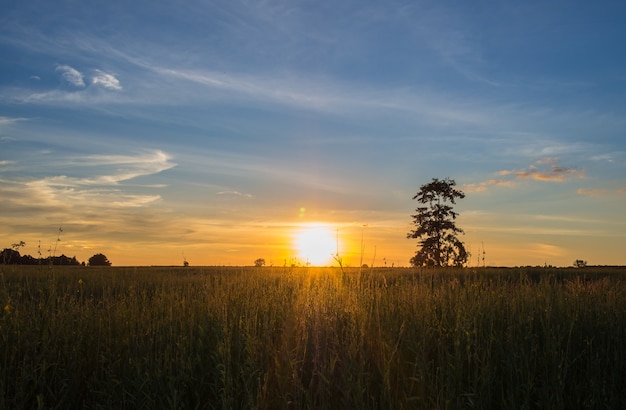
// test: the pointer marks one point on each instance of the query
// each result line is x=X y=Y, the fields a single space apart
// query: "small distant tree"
x=259 y=262
x=435 y=226
x=99 y=260
x=12 y=255
x=63 y=260
x=9 y=256
x=579 y=263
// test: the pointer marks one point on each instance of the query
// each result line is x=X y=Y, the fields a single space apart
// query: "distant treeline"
x=13 y=257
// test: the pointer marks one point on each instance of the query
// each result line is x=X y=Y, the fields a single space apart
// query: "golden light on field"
x=316 y=244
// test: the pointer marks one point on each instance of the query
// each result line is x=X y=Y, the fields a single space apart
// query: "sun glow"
x=316 y=245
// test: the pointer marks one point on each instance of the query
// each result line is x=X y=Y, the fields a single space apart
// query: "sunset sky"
x=217 y=131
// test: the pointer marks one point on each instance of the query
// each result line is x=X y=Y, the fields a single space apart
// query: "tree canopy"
x=10 y=256
x=99 y=259
x=435 y=226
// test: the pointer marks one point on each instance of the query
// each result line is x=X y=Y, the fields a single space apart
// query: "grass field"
x=272 y=338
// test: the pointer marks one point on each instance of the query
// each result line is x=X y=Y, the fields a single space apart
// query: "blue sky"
x=212 y=130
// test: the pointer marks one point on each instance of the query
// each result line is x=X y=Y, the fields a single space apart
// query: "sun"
x=316 y=245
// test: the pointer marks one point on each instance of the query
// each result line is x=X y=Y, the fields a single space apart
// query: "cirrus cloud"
x=555 y=173
x=99 y=78
x=484 y=185
x=235 y=193
x=103 y=188
x=10 y=120
x=538 y=172
x=590 y=192
x=106 y=80
x=71 y=75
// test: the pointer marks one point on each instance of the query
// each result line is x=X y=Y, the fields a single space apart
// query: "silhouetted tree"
x=99 y=260
x=579 y=263
x=29 y=260
x=12 y=255
x=435 y=226
x=9 y=256
x=259 y=262
x=63 y=260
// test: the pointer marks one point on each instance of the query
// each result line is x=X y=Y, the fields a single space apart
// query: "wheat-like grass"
x=270 y=338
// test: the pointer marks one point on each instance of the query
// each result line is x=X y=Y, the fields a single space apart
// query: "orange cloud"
x=556 y=173
x=482 y=186
x=547 y=161
x=590 y=192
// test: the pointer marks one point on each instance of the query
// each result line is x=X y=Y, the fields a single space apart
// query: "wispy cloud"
x=99 y=191
x=590 y=192
x=450 y=35
x=258 y=169
x=550 y=250
x=76 y=79
x=600 y=192
x=106 y=80
x=10 y=120
x=555 y=173
x=548 y=161
x=71 y=75
x=235 y=193
x=484 y=185
x=540 y=171
x=322 y=94
x=129 y=166
x=5 y=165
x=262 y=88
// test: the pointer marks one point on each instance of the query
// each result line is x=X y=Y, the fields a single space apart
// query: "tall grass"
x=266 y=338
